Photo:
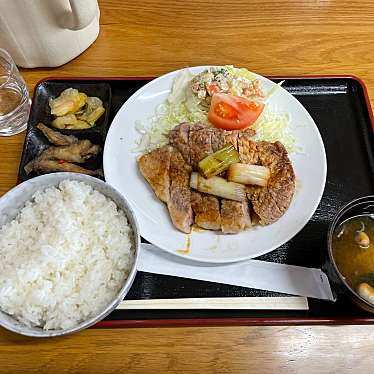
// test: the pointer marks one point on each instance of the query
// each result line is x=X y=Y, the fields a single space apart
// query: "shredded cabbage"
x=273 y=126
x=167 y=116
x=183 y=106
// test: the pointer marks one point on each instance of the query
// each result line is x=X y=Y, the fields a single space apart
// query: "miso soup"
x=353 y=250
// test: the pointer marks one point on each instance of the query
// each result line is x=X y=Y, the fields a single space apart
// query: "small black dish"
x=358 y=207
x=36 y=142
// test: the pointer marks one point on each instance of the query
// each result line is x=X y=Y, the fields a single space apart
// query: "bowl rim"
x=52 y=179
x=333 y=225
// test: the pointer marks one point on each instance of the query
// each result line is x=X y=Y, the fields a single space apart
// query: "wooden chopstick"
x=256 y=303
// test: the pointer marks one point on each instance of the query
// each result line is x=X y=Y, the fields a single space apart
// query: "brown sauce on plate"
x=186 y=251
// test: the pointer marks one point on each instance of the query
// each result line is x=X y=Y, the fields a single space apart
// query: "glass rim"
x=12 y=66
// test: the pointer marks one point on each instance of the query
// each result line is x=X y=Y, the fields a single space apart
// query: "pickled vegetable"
x=218 y=162
x=69 y=121
x=93 y=110
x=74 y=110
x=69 y=101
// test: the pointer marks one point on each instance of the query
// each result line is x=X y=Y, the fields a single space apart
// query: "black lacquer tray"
x=340 y=107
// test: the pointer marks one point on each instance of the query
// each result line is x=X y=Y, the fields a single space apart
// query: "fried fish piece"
x=55 y=137
x=59 y=158
x=78 y=152
x=41 y=164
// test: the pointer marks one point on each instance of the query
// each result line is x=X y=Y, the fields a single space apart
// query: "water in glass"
x=14 y=97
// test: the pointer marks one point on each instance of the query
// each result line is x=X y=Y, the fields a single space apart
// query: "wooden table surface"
x=149 y=38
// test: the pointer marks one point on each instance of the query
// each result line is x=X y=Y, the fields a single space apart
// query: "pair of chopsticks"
x=243 y=303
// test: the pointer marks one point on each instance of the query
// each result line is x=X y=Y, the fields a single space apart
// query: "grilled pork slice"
x=179 y=139
x=192 y=141
x=200 y=143
x=206 y=209
x=179 y=203
x=247 y=149
x=221 y=138
x=218 y=140
x=231 y=137
x=197 y=141
x=154 y=167
x=235 y=216
x=271 y=202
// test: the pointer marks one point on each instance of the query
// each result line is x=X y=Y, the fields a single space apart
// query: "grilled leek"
x=218 y=162
x=219 y=187
x=248 y=174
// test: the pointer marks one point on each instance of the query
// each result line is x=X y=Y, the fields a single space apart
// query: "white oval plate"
x=120 y=169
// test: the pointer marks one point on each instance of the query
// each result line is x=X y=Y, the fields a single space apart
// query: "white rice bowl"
x=65 y=257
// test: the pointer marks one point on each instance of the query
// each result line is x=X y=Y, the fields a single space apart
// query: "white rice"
x=65 y=256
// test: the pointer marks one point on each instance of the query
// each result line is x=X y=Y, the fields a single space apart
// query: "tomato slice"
x=233 y=112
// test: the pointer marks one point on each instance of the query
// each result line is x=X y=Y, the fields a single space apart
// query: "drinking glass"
x=14 y=97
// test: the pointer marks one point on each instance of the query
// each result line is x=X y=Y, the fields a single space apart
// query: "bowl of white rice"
x=69 y=245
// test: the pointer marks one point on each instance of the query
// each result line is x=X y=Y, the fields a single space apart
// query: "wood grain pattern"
x=150 y=38
x=186 y=350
